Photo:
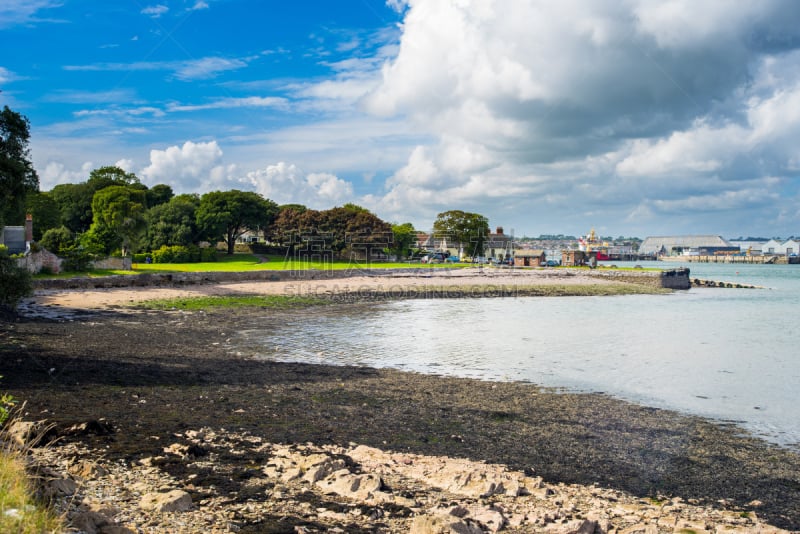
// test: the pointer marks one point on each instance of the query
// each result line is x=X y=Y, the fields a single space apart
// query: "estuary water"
x=726 y=354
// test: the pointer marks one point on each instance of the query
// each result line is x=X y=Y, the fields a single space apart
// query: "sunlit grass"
x=19 y=513
x=231 y=301
x=249 y=262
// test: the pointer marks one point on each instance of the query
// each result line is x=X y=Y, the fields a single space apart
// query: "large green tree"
x=44 y=210
x=290 y=221
x=111 y=175
x=226 y=215
x=17 y=176
x=173 y=223
x=403 y=237
x=159 y=194
x=355 y=229
x=75 y=200
x=74 y=205
x=470 y=230
x=119 y=220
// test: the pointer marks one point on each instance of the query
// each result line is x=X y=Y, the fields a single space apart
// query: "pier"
x=761 y=260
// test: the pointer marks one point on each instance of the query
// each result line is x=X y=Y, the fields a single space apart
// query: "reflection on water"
x=726 y=354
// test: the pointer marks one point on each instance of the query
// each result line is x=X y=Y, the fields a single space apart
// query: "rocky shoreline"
x=162 y=427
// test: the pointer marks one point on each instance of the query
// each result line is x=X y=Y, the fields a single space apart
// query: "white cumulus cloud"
x=187 y=168
x=635 y=106
x=287 y=184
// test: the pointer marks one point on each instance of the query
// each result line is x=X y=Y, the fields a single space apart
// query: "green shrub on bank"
x=15 y=282
x=77 y=259
x=179 y=254
x=57 y=240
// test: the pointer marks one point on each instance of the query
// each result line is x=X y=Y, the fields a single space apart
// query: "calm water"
x=722 y=353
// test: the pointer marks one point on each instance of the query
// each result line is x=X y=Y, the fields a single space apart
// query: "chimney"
x=28 y=228
x=499 y=230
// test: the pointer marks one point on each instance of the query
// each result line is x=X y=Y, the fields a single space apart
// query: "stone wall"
x=36 y=261
x=120 y=264
x=671 y=279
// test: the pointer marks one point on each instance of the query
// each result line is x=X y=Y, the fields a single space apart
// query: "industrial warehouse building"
x=703 y=245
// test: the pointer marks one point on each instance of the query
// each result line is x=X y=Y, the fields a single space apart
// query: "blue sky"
x=628 y=116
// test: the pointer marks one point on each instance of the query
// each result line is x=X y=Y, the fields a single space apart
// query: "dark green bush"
x=77 y=259
x=15 y=283
x=176 y=254
x=140 y=257
x=179 y=254
x=208 y=254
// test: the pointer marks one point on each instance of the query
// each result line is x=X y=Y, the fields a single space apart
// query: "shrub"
x=140 y=257
x=177 y=254
x=208 y=254
x=77 y=259
x=15 y=283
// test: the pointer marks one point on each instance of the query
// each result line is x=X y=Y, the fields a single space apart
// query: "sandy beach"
x=480 y=280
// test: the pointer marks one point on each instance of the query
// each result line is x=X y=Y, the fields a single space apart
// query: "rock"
x=640 y=528
x=98 y=427
x=60 y=487
x=489 y=518
x=577 y=526
x=87 y=469
x=323 y=469
x=346 y=484
x=115 y=529
x=89 y=522
x=442 y=524
x=172 y=501
x=178 y=449
x=28 y=433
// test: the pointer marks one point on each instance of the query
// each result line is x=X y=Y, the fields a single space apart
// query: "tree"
x=357 y=229
x=57 y=240
x=290 y=221
x=467 y=229
x=74 y=205
x=159 y=194
x=355 y=208
x=110 y=175
x=118 y=213
x=44 y=210
x=403 y=236
x=17 y=175
x=173 y=223
x=226 y=215
x=75 y=200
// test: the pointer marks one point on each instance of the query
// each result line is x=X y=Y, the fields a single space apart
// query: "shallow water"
x=727 y=354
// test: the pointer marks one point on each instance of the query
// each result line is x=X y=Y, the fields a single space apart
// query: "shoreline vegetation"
x=151 y=398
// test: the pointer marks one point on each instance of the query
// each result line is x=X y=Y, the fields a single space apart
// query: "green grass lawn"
x=249 y=262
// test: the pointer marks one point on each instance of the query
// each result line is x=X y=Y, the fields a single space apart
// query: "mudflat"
x=135 y=383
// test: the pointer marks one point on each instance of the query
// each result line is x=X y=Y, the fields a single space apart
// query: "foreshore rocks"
x=308 y=488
